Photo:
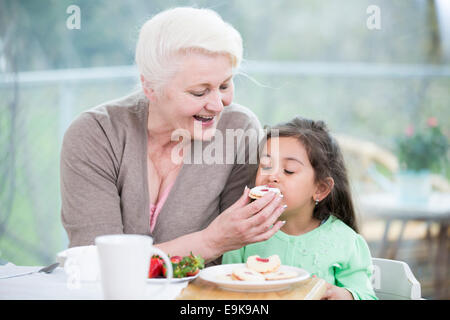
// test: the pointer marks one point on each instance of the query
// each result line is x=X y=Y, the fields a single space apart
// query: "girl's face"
x=289 y=170
x=196 y=95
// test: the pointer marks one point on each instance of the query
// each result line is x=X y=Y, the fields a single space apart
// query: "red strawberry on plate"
x=156 y=266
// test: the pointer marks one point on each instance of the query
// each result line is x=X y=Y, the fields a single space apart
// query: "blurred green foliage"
x=423 y=148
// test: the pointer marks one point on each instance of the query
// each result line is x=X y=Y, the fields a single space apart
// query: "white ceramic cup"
x=124 y=265
x=80 y=263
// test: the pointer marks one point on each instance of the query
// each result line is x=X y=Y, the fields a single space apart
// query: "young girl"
x=320 y=232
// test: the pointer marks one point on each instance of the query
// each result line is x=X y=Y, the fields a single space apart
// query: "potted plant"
x=420 y=151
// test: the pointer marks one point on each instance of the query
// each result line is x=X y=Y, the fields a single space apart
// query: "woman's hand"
x=244 y=223
x=336 y=293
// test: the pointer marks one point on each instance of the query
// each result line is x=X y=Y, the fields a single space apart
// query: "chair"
x=394 y=280
x=363 y=156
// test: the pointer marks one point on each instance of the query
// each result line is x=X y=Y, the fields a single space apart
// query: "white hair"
x=183 y=30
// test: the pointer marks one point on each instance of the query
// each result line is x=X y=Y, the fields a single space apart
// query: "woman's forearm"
x=197 y=242
x=239 y=225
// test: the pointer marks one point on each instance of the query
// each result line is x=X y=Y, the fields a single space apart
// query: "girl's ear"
x=323 y=189
x=148 y=91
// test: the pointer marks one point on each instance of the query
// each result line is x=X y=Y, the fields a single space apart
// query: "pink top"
x=155 y=209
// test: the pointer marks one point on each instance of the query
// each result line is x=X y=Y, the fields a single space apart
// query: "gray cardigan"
x=104 y=186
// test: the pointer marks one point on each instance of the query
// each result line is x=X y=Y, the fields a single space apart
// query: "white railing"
x=325 y=69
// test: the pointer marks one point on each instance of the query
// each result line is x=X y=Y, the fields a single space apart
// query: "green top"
x=333 y=251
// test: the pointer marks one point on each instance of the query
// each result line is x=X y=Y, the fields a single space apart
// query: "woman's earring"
x=317 y=202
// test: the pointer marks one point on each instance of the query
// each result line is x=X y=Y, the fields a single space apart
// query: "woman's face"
x=195 y=96
x=289 y=170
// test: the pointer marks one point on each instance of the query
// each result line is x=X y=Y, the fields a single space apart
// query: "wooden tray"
x=199 y=289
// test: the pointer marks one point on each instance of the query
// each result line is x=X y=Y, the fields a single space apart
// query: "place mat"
x=310 y=289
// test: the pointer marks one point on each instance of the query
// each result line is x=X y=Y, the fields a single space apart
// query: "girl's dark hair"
x=327 y=161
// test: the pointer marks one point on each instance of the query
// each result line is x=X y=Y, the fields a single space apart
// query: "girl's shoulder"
x=341 y=236
x=340 y=228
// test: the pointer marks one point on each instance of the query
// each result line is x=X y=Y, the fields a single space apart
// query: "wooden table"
x=199 y=289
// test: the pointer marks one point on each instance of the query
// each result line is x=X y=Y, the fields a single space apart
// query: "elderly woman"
x=120 y=168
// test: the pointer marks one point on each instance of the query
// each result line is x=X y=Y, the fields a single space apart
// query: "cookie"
x=225 y=277
x=280 y=275
x=264 y=265
x=260 y=191
x=245 y=274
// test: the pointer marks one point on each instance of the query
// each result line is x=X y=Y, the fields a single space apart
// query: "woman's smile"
x=206 y=121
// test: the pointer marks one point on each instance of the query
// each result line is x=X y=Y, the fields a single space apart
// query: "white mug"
x=80 y=263
x=124 y=265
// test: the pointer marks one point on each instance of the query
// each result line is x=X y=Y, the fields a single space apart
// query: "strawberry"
x=192 y=273
x=164 y=270
x=156 y=265
x=175 y=259
x=185 y=266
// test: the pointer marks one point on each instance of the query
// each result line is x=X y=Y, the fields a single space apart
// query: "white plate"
x=174 y=280
x=213 y=274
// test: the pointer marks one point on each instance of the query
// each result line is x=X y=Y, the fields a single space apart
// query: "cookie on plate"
x=280 y=275
x=225 y=277
x=260 y=191
x=245 y=274
x=264 y=265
